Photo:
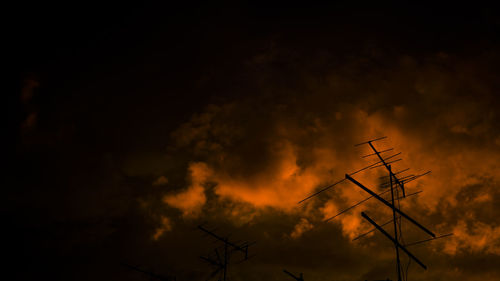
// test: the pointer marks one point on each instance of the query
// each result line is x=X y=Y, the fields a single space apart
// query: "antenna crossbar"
x=383 y=164
x=372 y=230
x=427 y=240
x=386 y=150
x=371 y=141
x=389 y=205
x=393 y=240
x=366 y=199
x=398 y=172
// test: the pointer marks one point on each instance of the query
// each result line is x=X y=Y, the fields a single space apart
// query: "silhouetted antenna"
x=298 y=278
x=152 y=275
x=396 y=181
x=222 y=262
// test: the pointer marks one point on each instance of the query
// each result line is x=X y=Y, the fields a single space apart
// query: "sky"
x=129 y=126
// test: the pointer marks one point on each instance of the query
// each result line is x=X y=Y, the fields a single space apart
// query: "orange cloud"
x=191 y=200
x=165 y=226
x=475 y=238
x=301 y=227
x=264 y=156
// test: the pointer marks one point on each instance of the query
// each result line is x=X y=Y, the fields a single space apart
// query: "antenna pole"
x=223 y=264
x=395 y=226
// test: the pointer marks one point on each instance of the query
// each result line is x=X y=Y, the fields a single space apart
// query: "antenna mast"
x=222 y=261
x=395 y=184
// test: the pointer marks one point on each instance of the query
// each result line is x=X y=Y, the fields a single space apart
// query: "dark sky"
x=129 y=125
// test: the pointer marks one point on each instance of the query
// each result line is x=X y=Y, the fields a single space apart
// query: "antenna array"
x=221 y=260
x=395 y=184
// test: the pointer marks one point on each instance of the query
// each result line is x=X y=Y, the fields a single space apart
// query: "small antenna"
x=222 y=262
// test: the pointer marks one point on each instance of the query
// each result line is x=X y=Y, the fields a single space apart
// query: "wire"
x=407 y=267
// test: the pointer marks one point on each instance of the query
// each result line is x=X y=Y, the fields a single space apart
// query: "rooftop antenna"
x=221 y=260
x=298 y=278
x=395 y=184
x=153 y=276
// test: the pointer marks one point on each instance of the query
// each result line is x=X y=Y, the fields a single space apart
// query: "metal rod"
x=386 y=223
x=390 y=162
x=372 y=230
x=396 y=242
x=366 y=199
x=389 y=205
x=376 y=153
x=398 y=172
x=318 y=192
x=353 y=206
x=392 y=239
x=430 y=239
x=370 y=141
x=300 y=278
x=353 y=173
x=236 y=247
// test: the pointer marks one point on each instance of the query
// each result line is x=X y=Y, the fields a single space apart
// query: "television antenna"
x=395 y=183
x=220 y=257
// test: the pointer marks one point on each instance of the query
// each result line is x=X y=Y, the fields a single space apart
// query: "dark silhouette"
x=299 y=278
x=395 y=184
x=222 y=261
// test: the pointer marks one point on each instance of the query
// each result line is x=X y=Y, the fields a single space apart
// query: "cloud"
x=161 y=180
x=475 y=238
x=193 y=198
x=301 y=227
x=262 y=153
x=165 y=226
